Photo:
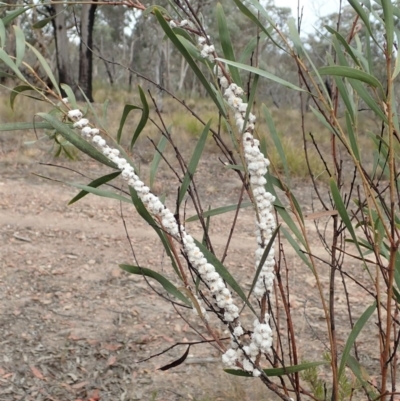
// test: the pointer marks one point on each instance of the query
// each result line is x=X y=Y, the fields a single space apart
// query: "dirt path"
x=73 y=325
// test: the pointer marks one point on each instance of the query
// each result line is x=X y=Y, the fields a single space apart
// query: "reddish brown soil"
x=73 y=325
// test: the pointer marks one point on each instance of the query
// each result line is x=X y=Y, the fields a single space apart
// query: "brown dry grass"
x=185 y=129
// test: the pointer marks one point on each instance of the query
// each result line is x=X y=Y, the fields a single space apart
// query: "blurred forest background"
x=104 y=46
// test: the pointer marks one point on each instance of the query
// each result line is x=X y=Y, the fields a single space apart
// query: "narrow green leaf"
x=127 y=109
x=353 y=73
x=252 y=96
x=263 y=259
x=363 y=15
x=341 y=208
x=278 y=371
x=143 y=119
x=72 y=137
x=353 y=336
x=219 y=210
x=296 y=248
x=389 y=23
x=234 y=167
x=98 y=120
x=362 y=376
x=10 y=17
x=146 y=216
x=19 y=45
x=98 y=192
x=302 y=51
x=150 y=10
x=344 y=43
x=397 y=63
x=70 y=94
x=323 y=120
x=363 y=93
x=16 y=91
x=157 y=158
x=224 y=273
x=191 y=48
x=42 y=23
x=7 y=60
x=246 y=11
x=251 y=46
x=352 y=137
x=348 y=101
x=2 y=34
x=194 y=161
x=262 y=73
x=174 y=39
x=95 y=183
x=24 y=126
x=226 y=43
x=46 y=67
x=276 y=139
x=167 y=285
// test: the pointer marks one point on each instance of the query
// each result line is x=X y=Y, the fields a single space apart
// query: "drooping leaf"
x=46 y=68
x=362 y=376
x=98 y=192
x=2 y=34
x=157 y=158
x=24 y=126
x=177 y=362
x=72 y=137
x=143 y=119
x=263 y=259
x=363 y=15
x=194 y=161
x=16 y=91
x=219 y=210
x=7 y=60
x=19 y=45
x=344 y=43
x=246 y=11
x=43 y=22
x=226 y=43
x=276 y=139
x=262 y=73
x=167 y=285
x=296 y=248
x=144 y=213
x=10 y=17
x=224 y=273
x=95 y=183
x=70 y=94
x=204 y=81
x=341 y=208
x=353 y=336
x=353 y=73
x=251 y=46
x=352 y=137
x=278 y=371
x=389 y=22
x=127 y=109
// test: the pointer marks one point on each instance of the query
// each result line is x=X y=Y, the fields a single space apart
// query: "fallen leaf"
x=112 y=347
x=37 y=373
x=77 y=386
x=111 y=360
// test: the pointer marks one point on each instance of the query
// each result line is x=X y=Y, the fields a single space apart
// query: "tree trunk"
x=65 y=75
x=88 y=14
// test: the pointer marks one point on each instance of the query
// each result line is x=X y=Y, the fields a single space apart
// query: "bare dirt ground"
x=73 y=325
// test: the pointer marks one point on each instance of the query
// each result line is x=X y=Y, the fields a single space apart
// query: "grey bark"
x=65 y=75
x=88 y=14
